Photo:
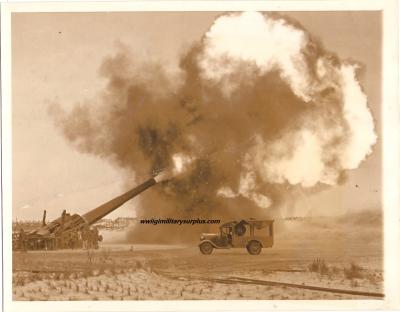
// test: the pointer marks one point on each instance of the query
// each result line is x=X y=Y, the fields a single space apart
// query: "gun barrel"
x=106 y=208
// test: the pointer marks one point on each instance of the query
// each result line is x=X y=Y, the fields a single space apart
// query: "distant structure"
x=118 y=224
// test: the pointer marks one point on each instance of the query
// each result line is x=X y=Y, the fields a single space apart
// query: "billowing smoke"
x=256 y=106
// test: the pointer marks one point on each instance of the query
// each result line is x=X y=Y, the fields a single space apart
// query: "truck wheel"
x=254 y=248
x=206 y=248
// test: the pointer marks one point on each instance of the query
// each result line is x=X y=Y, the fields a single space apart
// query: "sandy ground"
x=347 y=260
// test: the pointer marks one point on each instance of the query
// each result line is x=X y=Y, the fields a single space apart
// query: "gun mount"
x=74 y=231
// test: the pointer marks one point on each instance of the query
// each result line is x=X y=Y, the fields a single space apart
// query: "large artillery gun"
x=74 y=231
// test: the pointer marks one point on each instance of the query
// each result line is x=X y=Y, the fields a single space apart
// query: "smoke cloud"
x=255 y=107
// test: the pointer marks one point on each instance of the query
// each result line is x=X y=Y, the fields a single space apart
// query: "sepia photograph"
x=178 y=155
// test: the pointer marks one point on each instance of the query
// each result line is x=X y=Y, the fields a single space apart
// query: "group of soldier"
x=86 y=237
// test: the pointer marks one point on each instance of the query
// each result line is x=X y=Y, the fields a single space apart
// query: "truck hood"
x=208 y=236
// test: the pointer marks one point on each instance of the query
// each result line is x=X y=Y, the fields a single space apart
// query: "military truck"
x=250 y=234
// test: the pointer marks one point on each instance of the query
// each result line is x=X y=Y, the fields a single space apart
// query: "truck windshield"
x=226 y=230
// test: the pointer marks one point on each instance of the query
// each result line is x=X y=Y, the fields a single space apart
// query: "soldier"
x=73 y=240
x=80 y=240
x=64 y=240
x=95 y=238
x=22 y=239
x=92 y=238
x=50 y=243
x=85 y=237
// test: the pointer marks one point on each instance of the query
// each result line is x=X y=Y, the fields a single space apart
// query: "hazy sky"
x=56 y=57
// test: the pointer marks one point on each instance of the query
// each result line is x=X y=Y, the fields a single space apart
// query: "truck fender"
x=255 y=240
x=208 y=241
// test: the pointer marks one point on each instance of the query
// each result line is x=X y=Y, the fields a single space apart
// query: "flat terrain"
x=335 y=256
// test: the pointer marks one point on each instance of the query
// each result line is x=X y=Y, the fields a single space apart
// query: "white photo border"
x=390 y=137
